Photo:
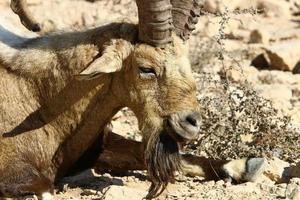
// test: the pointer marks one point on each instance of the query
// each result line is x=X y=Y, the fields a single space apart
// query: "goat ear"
x=111 y=60
x=100 y=66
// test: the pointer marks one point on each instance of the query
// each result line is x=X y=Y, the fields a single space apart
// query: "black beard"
x=162 y=160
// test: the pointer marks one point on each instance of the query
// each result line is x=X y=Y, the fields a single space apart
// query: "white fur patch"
x=192 y=170
x=236 y=168
x=47 y=196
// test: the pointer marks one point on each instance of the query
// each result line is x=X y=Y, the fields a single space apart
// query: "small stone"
x=296 y=194
x=282 y=185
x=295 y=181
x=293 y=192
x=235 y=75
x=117 y=181
x=273 y=8
x=249 y=187
x=123 y=193
x=265 y=187
x=65 y=187
x=88 y=192
x=220 y=182
x=210 y=183
x=259 y=36
x=107 y=175
x=227 y=184
x=280 y=192
x=130 y=179
x=33 y=197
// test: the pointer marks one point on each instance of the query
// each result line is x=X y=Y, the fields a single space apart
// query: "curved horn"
x=155 y=21
x=20 y=7
x=185 y=16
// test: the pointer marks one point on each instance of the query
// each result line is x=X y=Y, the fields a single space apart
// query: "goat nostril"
x=191 y=120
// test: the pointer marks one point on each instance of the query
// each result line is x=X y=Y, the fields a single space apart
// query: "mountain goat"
x=58 y=92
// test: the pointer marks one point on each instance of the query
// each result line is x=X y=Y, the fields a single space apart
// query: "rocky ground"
x=246 y=59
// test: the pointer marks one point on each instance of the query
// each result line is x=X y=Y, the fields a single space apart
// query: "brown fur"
x=55 y=100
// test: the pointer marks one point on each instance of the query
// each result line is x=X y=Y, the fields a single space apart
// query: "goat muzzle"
x=183 y=126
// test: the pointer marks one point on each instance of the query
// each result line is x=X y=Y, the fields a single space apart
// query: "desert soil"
x=259 y=45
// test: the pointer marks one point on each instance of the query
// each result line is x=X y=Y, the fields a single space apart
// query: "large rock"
x=295 y=171
x=271 y=8
x=277 y=170
x=284 y=55
x=281 y=56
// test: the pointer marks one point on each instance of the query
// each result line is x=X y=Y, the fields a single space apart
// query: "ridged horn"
x=155 y=21
x=185 y=16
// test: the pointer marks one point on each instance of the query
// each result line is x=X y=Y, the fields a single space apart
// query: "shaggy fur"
x=162 y=160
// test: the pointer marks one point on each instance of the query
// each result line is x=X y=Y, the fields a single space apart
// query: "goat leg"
x=26 y=181
x=121 y=154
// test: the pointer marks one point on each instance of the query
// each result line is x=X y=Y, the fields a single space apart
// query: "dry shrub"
x=234 y=111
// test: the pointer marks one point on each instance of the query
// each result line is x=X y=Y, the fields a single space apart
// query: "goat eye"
x=147 y=71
